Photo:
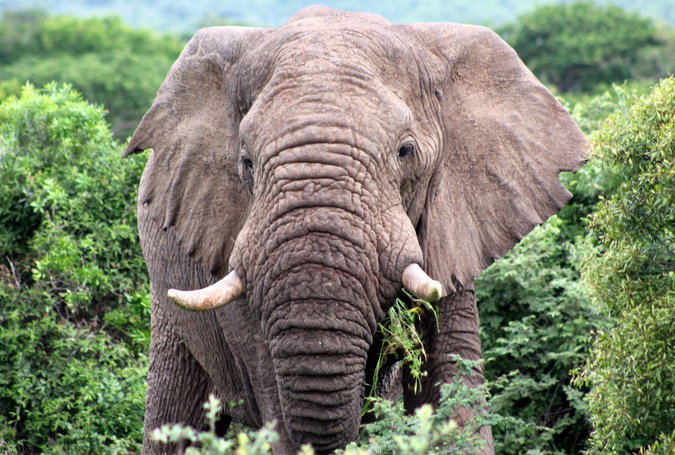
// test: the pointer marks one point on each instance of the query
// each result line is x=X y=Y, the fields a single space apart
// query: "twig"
x=16 y=278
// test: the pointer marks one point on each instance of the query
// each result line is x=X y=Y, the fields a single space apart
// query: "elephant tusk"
x=214 y=296
x=420 y=284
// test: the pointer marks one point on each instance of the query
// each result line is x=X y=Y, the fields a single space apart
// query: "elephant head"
x=314 y=164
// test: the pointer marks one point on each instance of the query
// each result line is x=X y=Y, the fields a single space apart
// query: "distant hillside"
x=186 y=16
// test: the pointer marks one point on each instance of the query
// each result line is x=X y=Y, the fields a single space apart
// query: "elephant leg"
x=177 y=388
x=455 y=333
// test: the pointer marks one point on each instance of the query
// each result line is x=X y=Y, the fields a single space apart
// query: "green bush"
x=74 y=301
x=631 y=273
x=536 y=321
x=68 y=205
x=537 y=317
x=590 y=110
x=65 y=388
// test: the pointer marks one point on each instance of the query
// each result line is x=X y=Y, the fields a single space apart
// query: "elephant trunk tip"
x=218 y=294
x=420 y=284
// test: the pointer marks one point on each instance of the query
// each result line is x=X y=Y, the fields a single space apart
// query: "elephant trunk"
x=319 y=326
x=320 y=375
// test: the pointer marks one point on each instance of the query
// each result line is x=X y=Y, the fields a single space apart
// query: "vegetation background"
x=578 y=322
x=182 y=17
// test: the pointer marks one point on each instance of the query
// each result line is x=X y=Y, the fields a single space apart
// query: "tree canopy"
x=109 y=63
x=578 y=45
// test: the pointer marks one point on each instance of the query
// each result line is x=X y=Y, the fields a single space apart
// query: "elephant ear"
x=505 y=141
x=191 y=183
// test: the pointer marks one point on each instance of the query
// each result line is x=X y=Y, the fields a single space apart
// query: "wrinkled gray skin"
x=279 y=153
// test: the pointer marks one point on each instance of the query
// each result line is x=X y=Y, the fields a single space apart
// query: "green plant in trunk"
x=401 y=341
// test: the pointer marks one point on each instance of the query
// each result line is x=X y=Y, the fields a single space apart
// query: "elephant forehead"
x=325 y=107
x=361 y=49
x=349 y=48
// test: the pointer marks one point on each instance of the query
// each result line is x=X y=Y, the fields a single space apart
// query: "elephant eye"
x=406 y=150
x=246 y=171
x=247 y=163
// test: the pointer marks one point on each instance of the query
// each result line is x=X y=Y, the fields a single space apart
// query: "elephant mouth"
x=231 y=287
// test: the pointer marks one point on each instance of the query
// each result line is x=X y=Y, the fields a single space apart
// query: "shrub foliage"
x=631 y=273
x=73 y=298
x=536 y=322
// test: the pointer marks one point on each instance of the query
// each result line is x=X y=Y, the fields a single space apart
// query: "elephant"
x=299 y=177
